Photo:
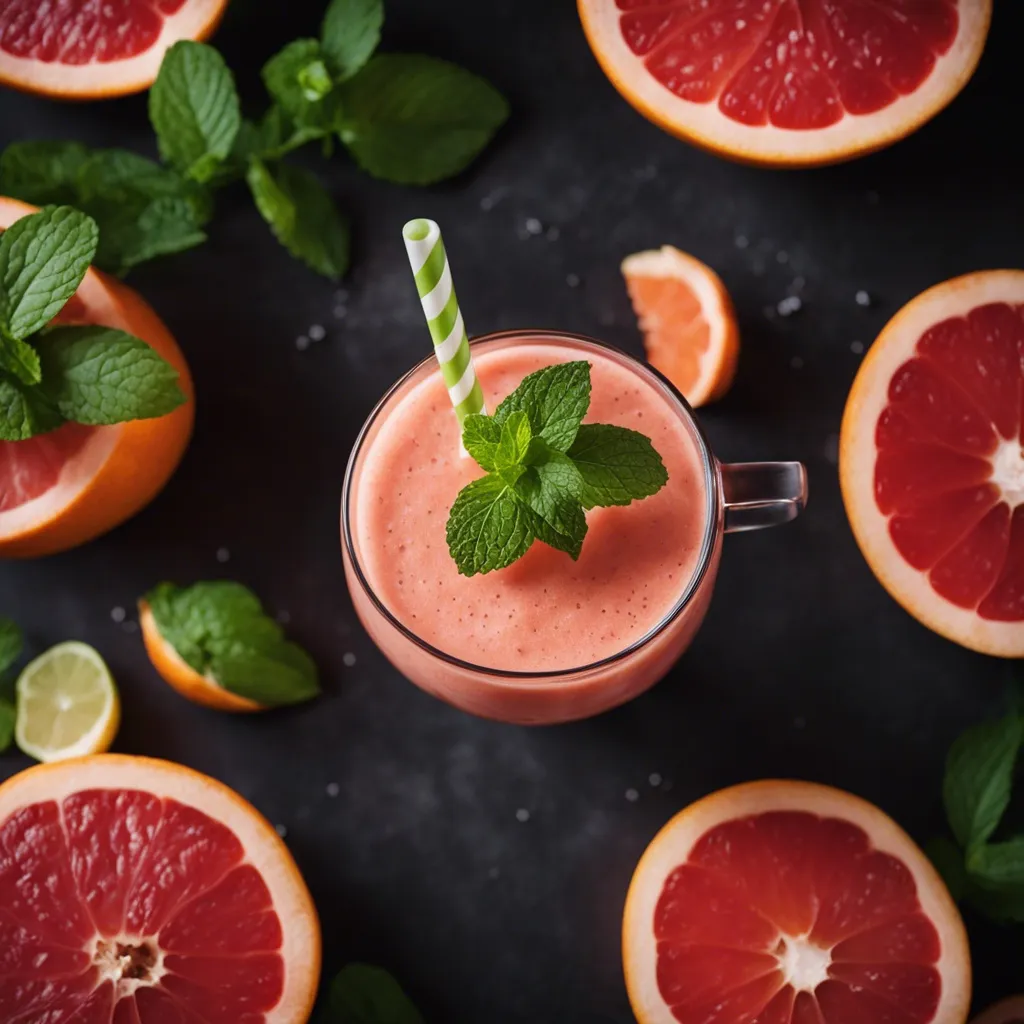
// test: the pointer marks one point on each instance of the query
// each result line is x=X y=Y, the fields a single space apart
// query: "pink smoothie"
x=544 y=612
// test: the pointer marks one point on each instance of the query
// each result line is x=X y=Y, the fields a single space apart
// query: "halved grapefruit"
x=1009 y=1011
x=81 y=49
x=61 y=489
x=791 y=903
x=137 y=891
x=687 y=319
x=788 y=82
x=931 y=460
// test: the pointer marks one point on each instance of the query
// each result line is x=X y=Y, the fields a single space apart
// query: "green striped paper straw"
x=429 y=263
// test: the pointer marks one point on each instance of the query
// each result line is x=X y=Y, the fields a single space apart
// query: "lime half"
x=67 y=704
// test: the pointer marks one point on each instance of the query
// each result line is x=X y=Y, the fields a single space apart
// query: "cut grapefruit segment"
x=61 y=489
x=788 y=82
x=791 y=903
x=931 y=460
x=141 y=892
x=687 y=319
x=86 y=50
x=1009 y=1011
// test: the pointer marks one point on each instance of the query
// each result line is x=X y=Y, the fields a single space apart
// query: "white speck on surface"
x=348 y=659
x=532 y=226
x=742 y=241
x=654 y=779
x=796 y=285
x=632 y=795
x=302 y=343
x=522 y=815
x=281 y=830
x=223 y=555
x=782 y=256
x=553 y=234
x=799 y=722
x=857 y=347
x=340 y=312
x=797 y=363
x=333 y=789
x=117 y=614
x=789 y=305
x=832 y=449
x=129 y=626
x=862 y=298
x=572 y=280
x=490 y=201
x=317 y=332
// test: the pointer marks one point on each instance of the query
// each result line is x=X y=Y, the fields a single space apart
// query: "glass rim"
x=712 y=504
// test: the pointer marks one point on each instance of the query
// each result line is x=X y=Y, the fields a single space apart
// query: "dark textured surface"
x=804 y=667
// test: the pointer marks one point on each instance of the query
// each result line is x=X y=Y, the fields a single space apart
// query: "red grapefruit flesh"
x=135 y=891
x=788 y=82
x=932 y=460
x=791 y=903
x=85 y=49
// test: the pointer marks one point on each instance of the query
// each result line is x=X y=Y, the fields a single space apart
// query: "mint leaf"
x=361 y=994
x=555 y=400
x=277 y=134
x=350 y=33
x=513 y=442
x=7 y=719
x=948 y=860
x=11 y=643
x=998 y=866
x=130 y=235
x=19 y=359
x=979 y=777
x=194 y=108
x=480 y=437
x=25 y=411
x=551 y=487
x=487 y=527
x=100 y=375
x=302 y=216
x=42 y=172
x=298 y=81
x=219 y=628
x=416 y=120
x=617 y=465
x=43 y=258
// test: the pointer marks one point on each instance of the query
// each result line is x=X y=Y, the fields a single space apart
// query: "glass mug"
x=741 y=496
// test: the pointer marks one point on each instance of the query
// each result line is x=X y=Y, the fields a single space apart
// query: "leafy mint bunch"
x=404 y=118
x=50 y=375
x=545 y=468
x=980 y=870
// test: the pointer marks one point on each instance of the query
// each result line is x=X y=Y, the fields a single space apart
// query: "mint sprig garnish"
x=544 y=468
x=52 y=375
x=406 y=118
x=11 y=644
x=362 y=994
x=220 y=629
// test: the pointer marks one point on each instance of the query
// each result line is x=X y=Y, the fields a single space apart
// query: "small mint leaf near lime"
x=555 y=400
x=220 y=630
x=350 y=33
x=299 y=84
x=100 y=376
x=480 y=437
x=488 y=527
x=302 y=215
x=617 y=465
x=193 y=105
x=11 y=643
x=315 y=81
x=416 y=120
x=979 y=778
x=514 y=442
x=42 y=172
x=43 y=258
x=361 y=994
x=25 y=411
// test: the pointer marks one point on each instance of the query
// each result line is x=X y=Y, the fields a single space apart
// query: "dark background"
x=804 y=668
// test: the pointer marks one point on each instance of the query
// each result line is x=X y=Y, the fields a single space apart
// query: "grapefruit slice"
x=137 y=891
x=61 y=489
x=788 y=82
x=931 y=460
x=688 y=321
x=81 y=49
x=791 y=903
x=1009 y=1011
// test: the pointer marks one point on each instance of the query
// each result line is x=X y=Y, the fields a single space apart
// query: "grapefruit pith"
x=788 y=82
x=61 y=489
x=138 y=891
x=931 y=460
x=1009 y=1011
x=80 y=49
x=791 y=903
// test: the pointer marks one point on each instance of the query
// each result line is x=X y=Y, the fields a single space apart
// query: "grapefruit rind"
x=869 y=396
x=264 y=849
x=674 y=843
x=704 y=125
x=196 y=21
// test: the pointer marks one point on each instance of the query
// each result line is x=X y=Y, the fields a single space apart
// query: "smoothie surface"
x=545 y=611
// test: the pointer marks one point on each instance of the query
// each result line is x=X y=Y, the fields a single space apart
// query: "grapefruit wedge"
x=1009 y=1011
x=788 y=82
x=137 y=891
x=791 y=903
x=81 y=49
x=931 y=460
x=61 y=489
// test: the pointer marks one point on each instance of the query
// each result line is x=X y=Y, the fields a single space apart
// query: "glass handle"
x=759 y=494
